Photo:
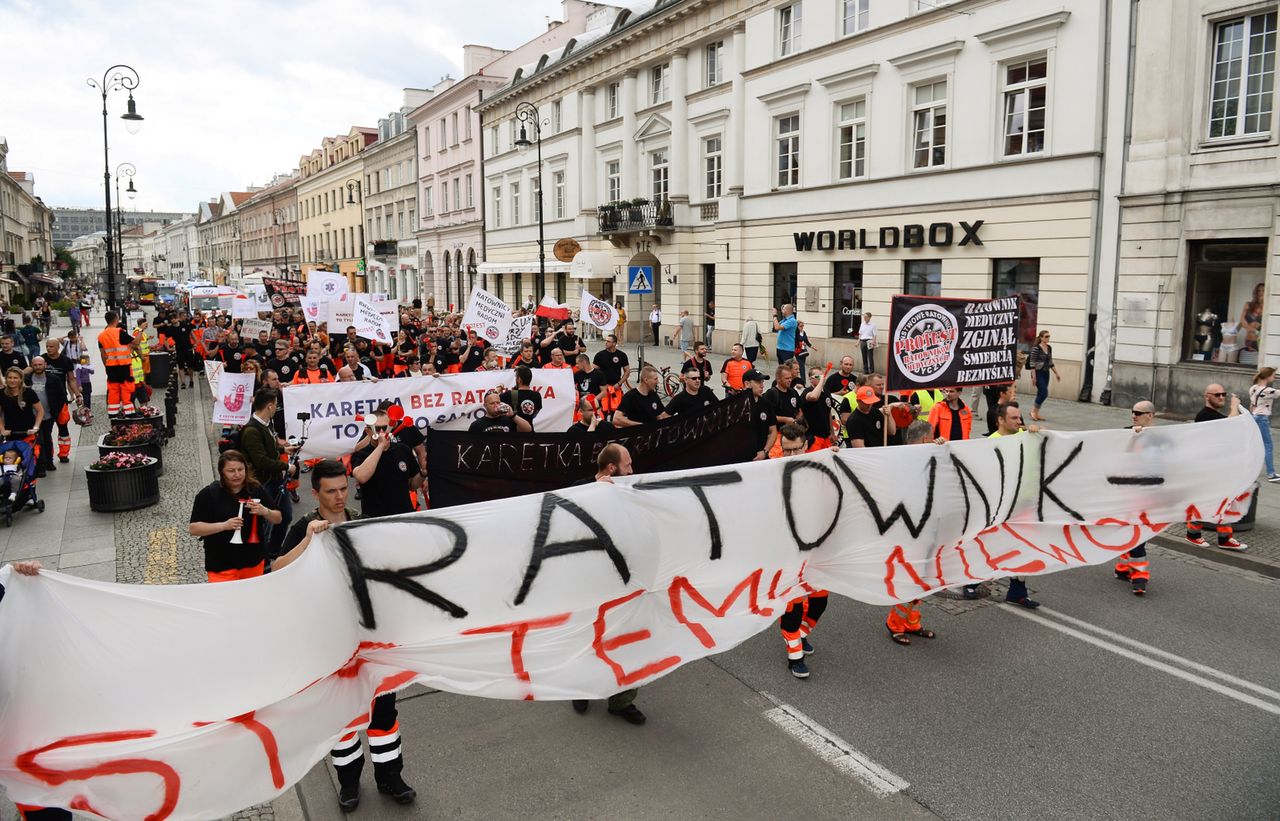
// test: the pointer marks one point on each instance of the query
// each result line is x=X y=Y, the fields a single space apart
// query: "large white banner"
x=487 y=315
x=449 y=402
x=579 y=593
x=597 y=312
x=243 y=306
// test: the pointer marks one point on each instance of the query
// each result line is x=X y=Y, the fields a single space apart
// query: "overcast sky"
x=231 y=92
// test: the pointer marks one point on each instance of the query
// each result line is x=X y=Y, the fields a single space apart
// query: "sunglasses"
x=1218 y=394
x=380 y=428
x=1142 y=413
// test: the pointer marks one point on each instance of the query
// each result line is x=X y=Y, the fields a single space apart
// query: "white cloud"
x=231 y=92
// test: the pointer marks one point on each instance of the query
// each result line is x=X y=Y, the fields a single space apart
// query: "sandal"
x=900 y=638
x=926 y=634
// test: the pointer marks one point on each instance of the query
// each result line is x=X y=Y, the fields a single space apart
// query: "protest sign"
x=342 y=313
x=315 y=310
x=937 y=342
x=466 y=467
x=521 y=328
x=575 y=594
x=260 y=298
x=326 y=284
x=250 y=328
x=284 y=293
x=451 y=402
x=243 y=307
x=378 y=297
x=233 y=403
x=487 y=315
x=597 y=312
x=212 y=370
x=369 y=323
x=390 y=313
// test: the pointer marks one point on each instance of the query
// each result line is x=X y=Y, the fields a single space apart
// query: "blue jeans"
x=1264 y=427
x=1042 y=387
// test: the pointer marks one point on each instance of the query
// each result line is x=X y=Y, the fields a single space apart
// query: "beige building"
x=331 y=206
x=269 y=229
x=391 y=203
x=26 y=229
x=218 y=223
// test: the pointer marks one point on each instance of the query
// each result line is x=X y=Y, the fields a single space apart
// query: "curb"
x=1214 y=555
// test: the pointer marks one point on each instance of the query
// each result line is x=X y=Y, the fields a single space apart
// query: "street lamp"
x=352 y=187
x=528 y=115
x=127 y=169
x=117 y=77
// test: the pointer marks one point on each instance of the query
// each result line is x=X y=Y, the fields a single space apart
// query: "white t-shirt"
x=1261 y=397
x=867 y=330
x=655 y=316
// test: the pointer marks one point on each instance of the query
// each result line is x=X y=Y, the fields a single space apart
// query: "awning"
x=552 y=267
x=6 y=281
x=47 y=279
x=592 y=265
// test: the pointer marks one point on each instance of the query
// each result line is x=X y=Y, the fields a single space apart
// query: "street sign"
x=640 y=279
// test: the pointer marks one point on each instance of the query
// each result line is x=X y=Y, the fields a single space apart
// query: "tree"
x=63 y=257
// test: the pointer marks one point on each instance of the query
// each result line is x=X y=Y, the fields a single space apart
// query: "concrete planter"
x=113 y=491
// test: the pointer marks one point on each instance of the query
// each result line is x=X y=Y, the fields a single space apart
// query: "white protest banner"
x=250 y=328
x=520 y=330
x=487 y=315
x=342 y=313
x=243 y=307
x=450 y=402
x=212 y=370
x=377 y=297
x=315 y=310
x=326 y=284
x=574 y=594
x=597 y=312
x=369 y=323
x=260 y=297
x=390 y=312
x=233 y=403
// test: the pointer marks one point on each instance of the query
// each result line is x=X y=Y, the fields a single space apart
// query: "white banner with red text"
x=451 y=402
x=196 y=710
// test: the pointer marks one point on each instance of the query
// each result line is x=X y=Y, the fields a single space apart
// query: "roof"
x=19 y=175
x=238 y=197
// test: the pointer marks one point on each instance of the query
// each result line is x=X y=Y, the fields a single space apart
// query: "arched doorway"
x=460 y=275
x=427 y=288
x=471 y=270
x=448 y=280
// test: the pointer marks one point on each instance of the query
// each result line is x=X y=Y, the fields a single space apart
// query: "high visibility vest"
x=114 y=352
x=139 y=373
x=144 y=344
x=927 y=400
x=303 y=377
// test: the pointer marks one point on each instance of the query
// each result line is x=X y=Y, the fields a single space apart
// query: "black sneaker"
x=970 y=591
x=50 y=466
x=1029 y=603
x=806 y=646
x=630 y=714
x=1139 y=587
x=1123 y=575
x=349 y=797
x=64 y=459
x=400 y=792
x=580 y=705
x=798 y=668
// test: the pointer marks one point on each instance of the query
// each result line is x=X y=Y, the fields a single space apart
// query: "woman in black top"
x=1040 y=361
x=218 y=513
x=21 y=409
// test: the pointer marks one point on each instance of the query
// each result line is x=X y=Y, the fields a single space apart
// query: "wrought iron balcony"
x=621 y=218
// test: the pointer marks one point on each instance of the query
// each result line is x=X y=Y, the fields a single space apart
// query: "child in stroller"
x=17 y=479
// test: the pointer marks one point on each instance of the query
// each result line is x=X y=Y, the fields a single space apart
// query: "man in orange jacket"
x=117 y=359
x=904 y=617
x=951 y=418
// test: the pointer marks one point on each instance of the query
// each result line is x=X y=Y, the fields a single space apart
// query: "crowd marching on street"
x=246 y=518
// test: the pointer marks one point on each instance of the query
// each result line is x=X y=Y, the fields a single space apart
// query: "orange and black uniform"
x=952 y=425
x=116 y=359
x=309 y=376
x=799 y=620
x=733 y=369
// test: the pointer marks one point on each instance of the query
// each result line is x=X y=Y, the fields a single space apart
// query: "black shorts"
x=186 y=357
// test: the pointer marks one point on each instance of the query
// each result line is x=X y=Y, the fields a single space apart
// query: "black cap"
x=754 y=376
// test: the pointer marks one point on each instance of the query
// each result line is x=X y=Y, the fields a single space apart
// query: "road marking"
x=1222 y=689
x=834 y=750
x=162 y=557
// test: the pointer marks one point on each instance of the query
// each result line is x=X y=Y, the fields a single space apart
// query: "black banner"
x=465 y=467
x=937 y=342
x=284 y=292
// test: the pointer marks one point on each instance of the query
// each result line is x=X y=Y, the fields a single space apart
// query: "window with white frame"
x=444 y=135
x=788 y=29
x=855 y=15
x=661 y=174
x=851 y=140
x=659 y=83
x=1242 y=87
x=467 y=125
x=426 y=141
x=612 y=181
x=493 y=140
x=929 y=125
x=497 y=206
x=457 y=194
x=400 y=224
x=453 y=122
x=713 y=61
x=515 y=203
x=713 y=166
x=555 y=116
x=444 y=196
x=428 y=199
x=611 y=94
x=471 y=198
x=1025 y=89
x=787 y=140
x=557 y=185
x=514 y=130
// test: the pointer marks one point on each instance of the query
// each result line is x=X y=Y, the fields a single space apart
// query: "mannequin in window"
x=1228 y=350
x=1205 y=324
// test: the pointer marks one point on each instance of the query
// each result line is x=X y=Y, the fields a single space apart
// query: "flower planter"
x=112 y=491
x=156 y=421
x=151 y=449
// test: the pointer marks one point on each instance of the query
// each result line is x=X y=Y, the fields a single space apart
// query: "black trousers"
x=656 y=326
x=384 y=745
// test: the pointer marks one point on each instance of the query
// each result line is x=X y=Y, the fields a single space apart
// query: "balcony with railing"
x=636 y=216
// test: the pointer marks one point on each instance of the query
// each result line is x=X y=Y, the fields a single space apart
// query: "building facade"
x=26 y=230
x=180 y=241
x=391 y=203
x=70 y=223
x=269 y=229
x=218 y=227
x=330 y=206
x=1194 y=292
x=823 y=153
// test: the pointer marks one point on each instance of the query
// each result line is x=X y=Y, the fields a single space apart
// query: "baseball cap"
x=754 y=376
x=867 y=395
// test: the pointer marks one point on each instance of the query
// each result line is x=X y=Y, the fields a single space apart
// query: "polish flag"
x=551 y=309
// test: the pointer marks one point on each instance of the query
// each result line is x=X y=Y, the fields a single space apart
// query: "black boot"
x=349 y=796
x=393 y=785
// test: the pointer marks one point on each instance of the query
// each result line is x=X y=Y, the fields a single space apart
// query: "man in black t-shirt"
x=766 y=426
x=387 y=472
x=783 y=399
x=499 y=417
x=283 y=362
x=1215 y=400
x=526 y=402
x=840 y=382
x=185 y=353
x=232 y=353
x=695 y=397
x=587 y=378
x=641 y=405
x=10 y=358
x=816 y=411
x=613 y=362
x=698 y=362
x=865 y=426
x=473 y=353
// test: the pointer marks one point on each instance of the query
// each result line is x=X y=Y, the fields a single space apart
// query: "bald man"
x=1133 y=566
x=1215 y=399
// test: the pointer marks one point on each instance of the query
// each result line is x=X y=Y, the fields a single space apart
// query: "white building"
x=825 y=153
x=391 y=204
x=180 y=242
x=1194 y=296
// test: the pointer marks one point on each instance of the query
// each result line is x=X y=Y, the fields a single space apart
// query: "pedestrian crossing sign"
x=640 y=279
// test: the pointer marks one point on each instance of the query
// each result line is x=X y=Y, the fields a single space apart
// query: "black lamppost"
x=128 y=170
x=352 y=187
x=280 y=217
x=528 y=115
x=117 y=77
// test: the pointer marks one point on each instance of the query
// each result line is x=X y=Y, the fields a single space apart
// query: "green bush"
x=62 y=306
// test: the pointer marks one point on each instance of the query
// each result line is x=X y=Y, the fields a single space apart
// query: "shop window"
x=1225 y=302
x=784 y=284
x=923 y=277
x=846 y=314
x=1020 y=278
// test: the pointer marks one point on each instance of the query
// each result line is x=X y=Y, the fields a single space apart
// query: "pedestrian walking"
x=1262 y=394
x=684 y=332
x=261 y=446
x=1132 y=565
x=1215 y=399
x=227 y=517
x=1009 y=423
x=802 y=613
x=1040 y=360
x=51 y=392
x=803 y=346
x=21 y=413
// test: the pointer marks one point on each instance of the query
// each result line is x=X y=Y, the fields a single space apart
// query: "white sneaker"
x=1274 y=477
x=1233 y=544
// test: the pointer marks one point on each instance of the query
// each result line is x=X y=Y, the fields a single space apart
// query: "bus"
x=146 y=290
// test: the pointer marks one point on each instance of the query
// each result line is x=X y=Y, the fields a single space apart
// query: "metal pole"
x=106 y=188
x=542 y=248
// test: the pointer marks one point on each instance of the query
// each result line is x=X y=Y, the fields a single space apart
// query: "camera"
x=304 y=416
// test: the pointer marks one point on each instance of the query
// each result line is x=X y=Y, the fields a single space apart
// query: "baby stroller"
x=18 y=489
